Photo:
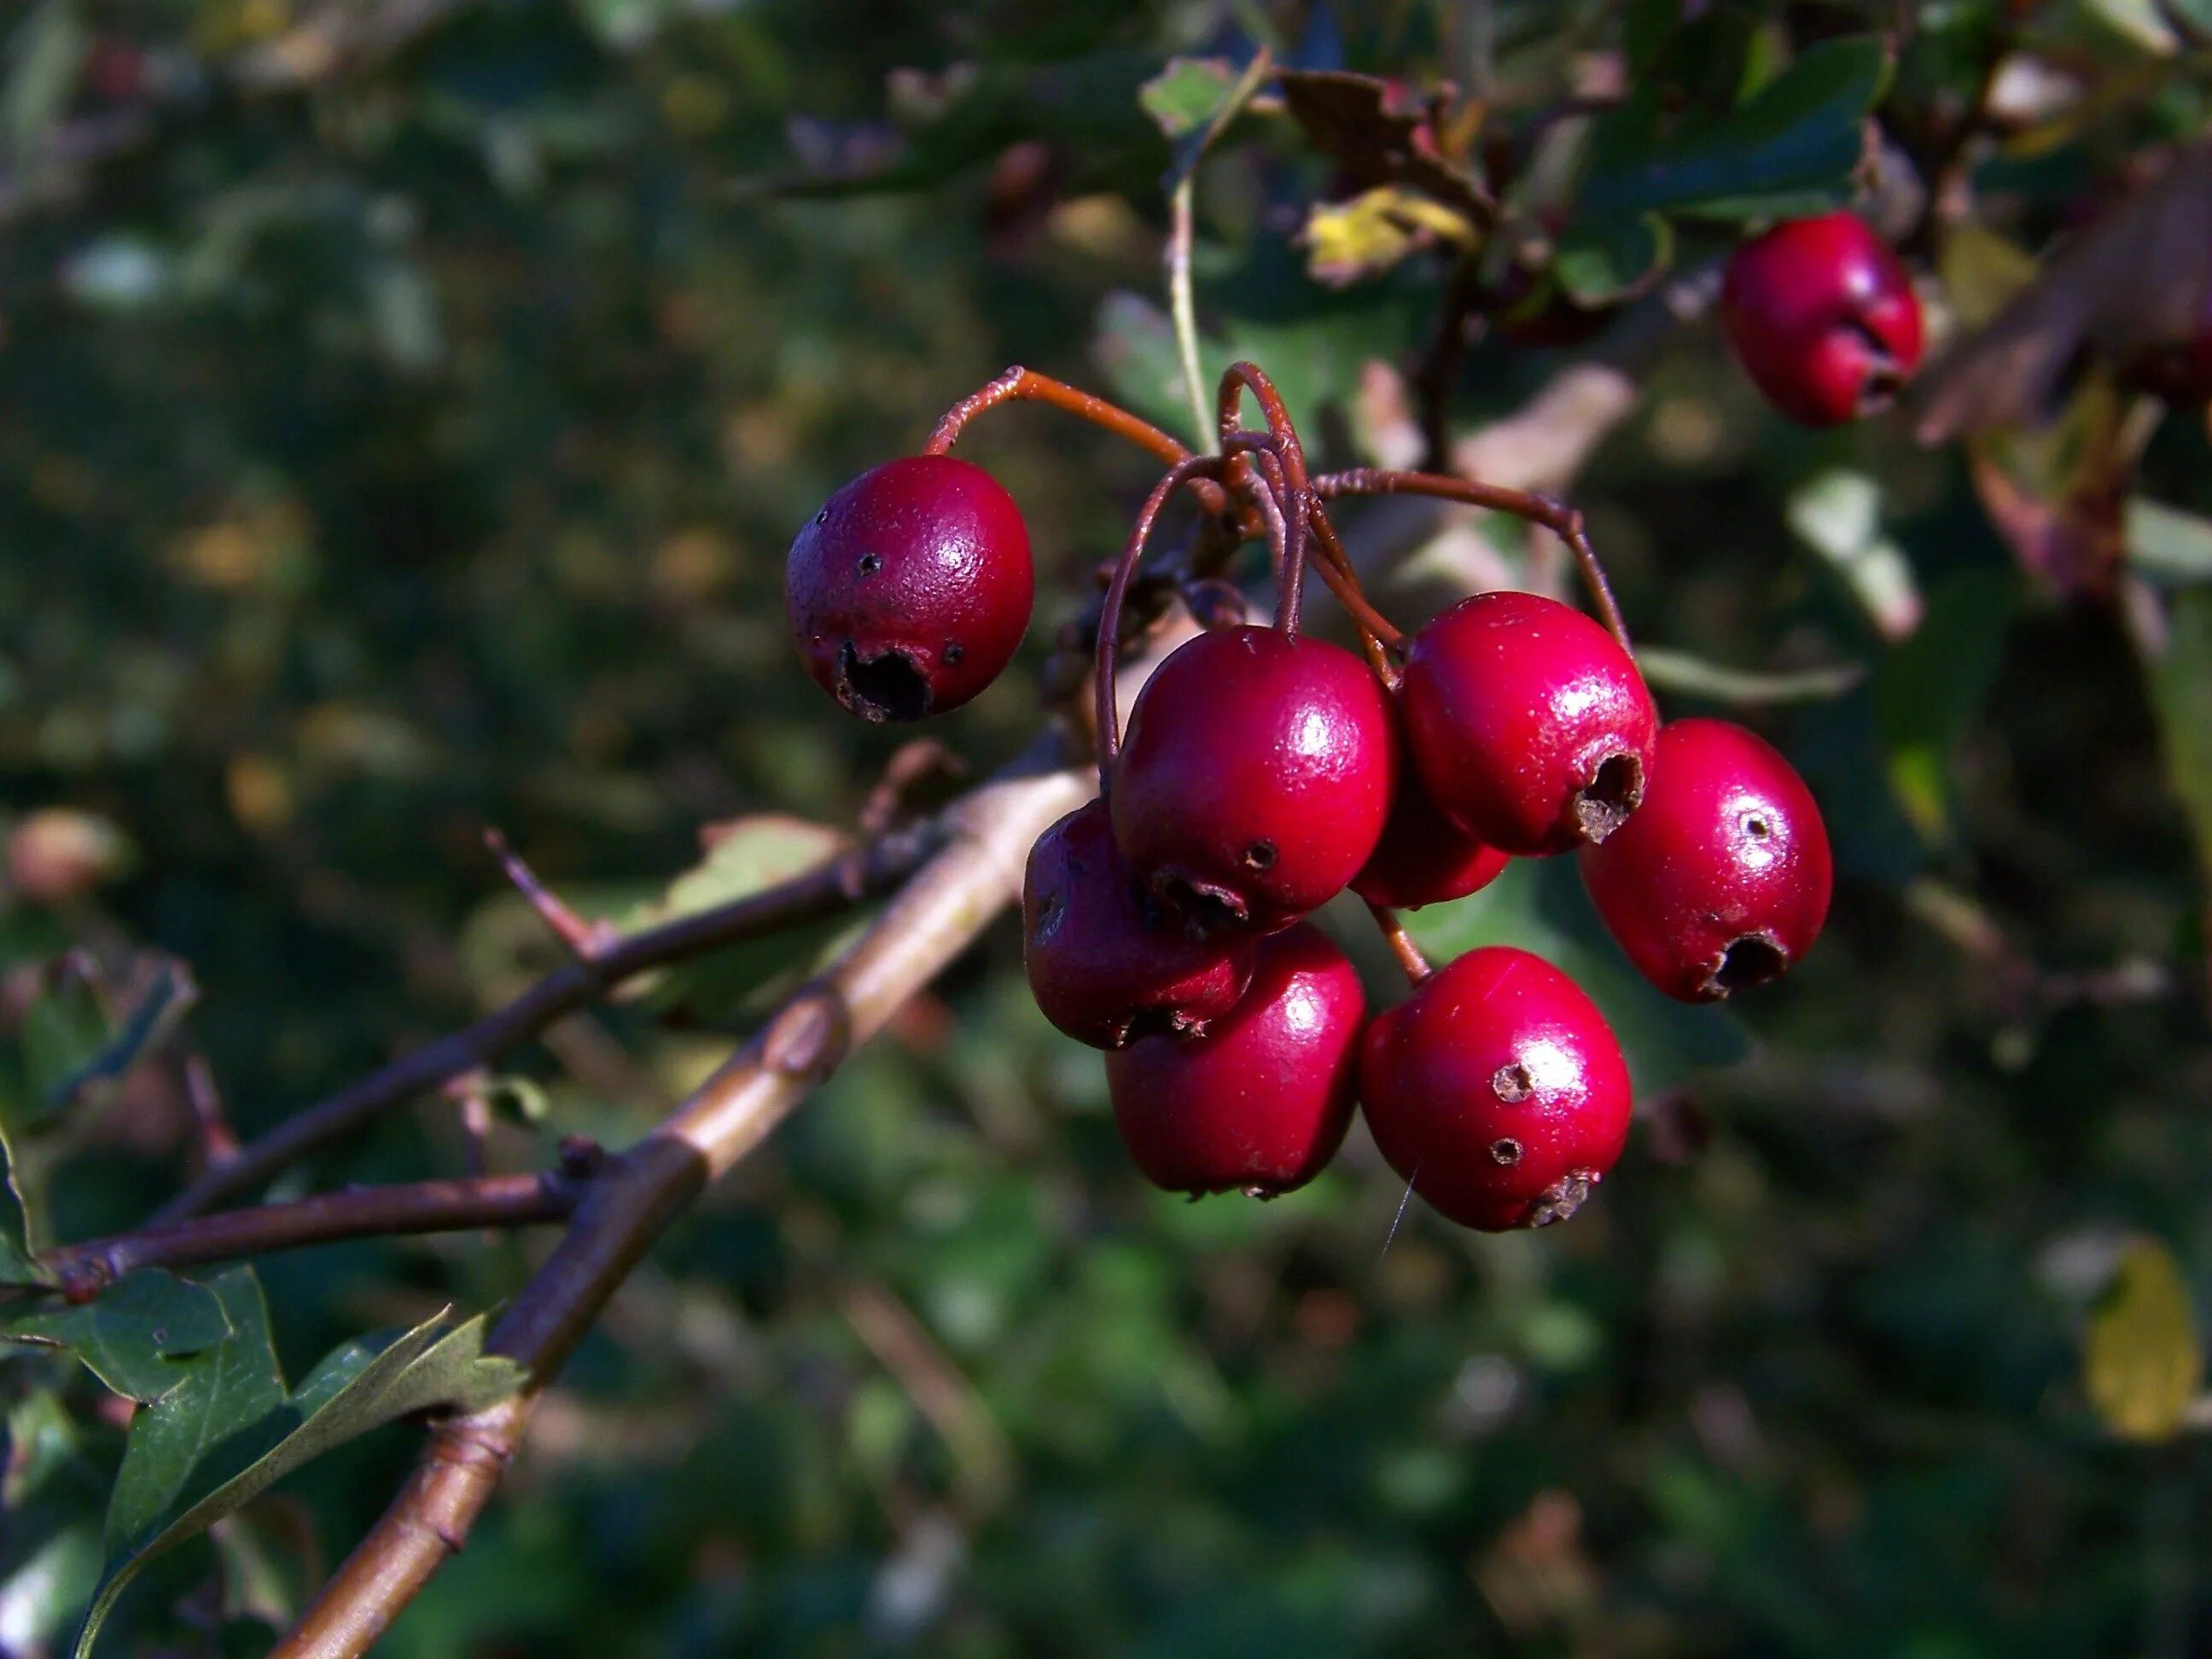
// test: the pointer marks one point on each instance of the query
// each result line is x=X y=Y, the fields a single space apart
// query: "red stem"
x=1019 y=384
x=1555 y=516
x=1284 y=435
x=1106 y=709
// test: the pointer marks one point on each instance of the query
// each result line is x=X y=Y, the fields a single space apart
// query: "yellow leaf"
x=1346 y=241
x=2142 y=1365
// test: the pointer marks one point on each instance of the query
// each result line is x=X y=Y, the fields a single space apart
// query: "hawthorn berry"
x=1261 y=1102
x=1107 y=961
x=909 y=590
x=1528 y=722
x=1256 y=777
x=1823 y=317
x=1721 y=881
x=1423 y=858
x=1497 y=1090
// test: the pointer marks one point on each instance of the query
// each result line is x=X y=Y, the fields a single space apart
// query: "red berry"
x=1423 y=858
x=1528 y=722
x=1823 y=317
x=1498 y=1090
x=1107 y=961
x=1256 y=777
x=910 y=590
x=1721 y=880
x=1259 y=1103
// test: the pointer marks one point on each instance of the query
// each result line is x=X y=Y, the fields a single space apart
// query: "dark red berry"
x=1721 y=880
x=1255 y=777
x=1497 y=1090
x=1259 y=1103
x=1528 y=722
x=1108 y=962
x=1423 y=858
x=1823 y=317
x=910 y=590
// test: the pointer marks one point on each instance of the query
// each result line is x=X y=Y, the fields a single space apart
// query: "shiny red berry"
x=1108 y=962
x=1721 y=880
x=1497 y=1090
x=1528 y=722
x=1823 y=317
x=1259 y=1103
x=909 y=590
x=1423 y=858
x=1255 y=777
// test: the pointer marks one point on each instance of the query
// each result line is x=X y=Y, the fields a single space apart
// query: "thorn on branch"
x=584 y=939
x=217 y=1140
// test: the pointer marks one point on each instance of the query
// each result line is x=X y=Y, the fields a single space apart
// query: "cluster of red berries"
x=1264 y=772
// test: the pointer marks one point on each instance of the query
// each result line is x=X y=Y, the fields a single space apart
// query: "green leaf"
x=1788 y=149
x=1691 y=676
x=2181 y=692
x=44 y=53
x=132 y=1335
x=1929 y=690
x=226 y=1393
x=2141 y=1364
x=1182 y=98
x=750 y=854
x=1539 y=905
x=1603 y=259
x=2167 y=545
x=362 y=1385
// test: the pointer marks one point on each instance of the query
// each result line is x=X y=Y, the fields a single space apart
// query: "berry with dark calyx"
x=1823 y=317
x=1528 y=722
x=1107 y=961
x=1256 y=777
x=1261 y=1102
x=1423 y=858
x=1721 y=881
x=909 y=590
x=1497 y=1090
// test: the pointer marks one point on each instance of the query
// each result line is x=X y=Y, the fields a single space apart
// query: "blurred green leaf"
x=1603 y=260
x=1929 y=690
x=2142 y=1363
x=1182 y=98
x=45 y=51
x=2181 y=693
x=2167 y=545
x=1789 y=150
x=133 y=1335
x=1691 y=676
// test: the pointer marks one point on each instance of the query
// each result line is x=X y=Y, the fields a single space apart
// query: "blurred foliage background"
x=399 y=443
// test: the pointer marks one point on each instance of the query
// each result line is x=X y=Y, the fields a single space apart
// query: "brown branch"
x=830 y=888
x=81 y=1271
x=935 y=916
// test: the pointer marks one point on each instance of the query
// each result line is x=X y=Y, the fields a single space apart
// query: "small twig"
x=1182 y=299
x=82 y=1270
x=216 y=1139
x=834 y=886
x=584 y=939
x=1400 y=942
